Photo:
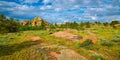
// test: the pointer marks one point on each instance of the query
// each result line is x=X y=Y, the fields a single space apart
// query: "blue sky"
x=60 y=11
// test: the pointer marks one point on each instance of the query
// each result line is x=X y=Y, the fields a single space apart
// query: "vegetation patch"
x=98 y=56
x=88 y=44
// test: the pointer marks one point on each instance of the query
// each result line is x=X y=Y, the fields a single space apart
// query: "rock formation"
x=25 y=22
x=116 y=26
x=37 y=21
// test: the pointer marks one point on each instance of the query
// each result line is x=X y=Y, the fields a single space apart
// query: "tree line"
x=8 y=24
x=83 y=25
x=14 y=25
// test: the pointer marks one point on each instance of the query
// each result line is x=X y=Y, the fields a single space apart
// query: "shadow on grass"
x=10 y=49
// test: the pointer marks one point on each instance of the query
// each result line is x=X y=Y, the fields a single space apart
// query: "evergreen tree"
x=43 y=26
x=82 y=24
x=8 y=25
x=114 y=22
x=106 y=24
x=87 y=24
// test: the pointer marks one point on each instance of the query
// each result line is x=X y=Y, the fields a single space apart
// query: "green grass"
x=18 y=46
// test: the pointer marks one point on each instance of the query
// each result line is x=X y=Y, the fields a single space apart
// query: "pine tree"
x=43 y=26
x=106 y=24
x=87 y=24
x=114 y=22
x=8 y=25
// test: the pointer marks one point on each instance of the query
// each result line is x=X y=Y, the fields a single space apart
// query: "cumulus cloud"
x=29 y=1
x=57 y=9
x=46 y=1
x=63 y=10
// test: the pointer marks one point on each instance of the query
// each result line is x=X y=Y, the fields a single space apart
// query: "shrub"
x=116 y=40
x=8 y=25
x=114 y=22
x=106 y=43
x=98 y=56
x=88 y=44
x=87 y=24
x=25 y=28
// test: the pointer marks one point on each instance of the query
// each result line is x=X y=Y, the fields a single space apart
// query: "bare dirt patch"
x=67 y=35
x=91 y=36
x=67 y=54
x=35 y=38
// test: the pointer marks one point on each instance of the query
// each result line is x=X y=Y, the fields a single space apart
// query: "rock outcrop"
x=67 y=35
x=37 y=21
x=116 y=26
x=25 y=22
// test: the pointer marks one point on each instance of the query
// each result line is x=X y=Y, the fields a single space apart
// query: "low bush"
x=116 y=39
x=88 y=44
x=98 y=56
x=8 y=24
x=25 y=28
x=106 y=43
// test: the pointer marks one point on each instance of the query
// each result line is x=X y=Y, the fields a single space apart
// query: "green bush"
x=25 y=28
x=116 y=40
x=114 y=22
x=88 y=44
x=98 y=56
x=8 y=25
x=107 y=43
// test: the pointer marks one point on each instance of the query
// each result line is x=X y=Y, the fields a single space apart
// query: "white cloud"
x=57 y=9
x=76 y=6
x=66 y=21
x=29 y=1
x=24 y=7
x=60 y=10
x=46 y=1
x=87 y=1
x=47 y=7
x=93 y=17
x=72 y=0
x=42 y=8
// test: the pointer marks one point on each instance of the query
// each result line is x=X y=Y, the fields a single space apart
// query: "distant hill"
x=37 y=21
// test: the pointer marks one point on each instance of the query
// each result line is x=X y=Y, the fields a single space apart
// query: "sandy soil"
x=67 y=35
x=67 y=54
x=35 y=38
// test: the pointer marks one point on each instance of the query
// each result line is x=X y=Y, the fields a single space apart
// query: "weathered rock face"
x=25 y=22
x=67 y=54
x=37 y=21
x=116 y=26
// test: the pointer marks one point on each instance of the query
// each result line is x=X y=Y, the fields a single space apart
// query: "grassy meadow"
x=68 y=41
x=18 y=46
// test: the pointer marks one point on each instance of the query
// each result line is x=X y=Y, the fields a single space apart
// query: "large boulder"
x=25 y=22
x=116 y=26
x=67 y=54
x=37 y=21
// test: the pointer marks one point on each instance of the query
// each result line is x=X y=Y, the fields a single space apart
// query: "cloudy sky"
x=60 y=11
